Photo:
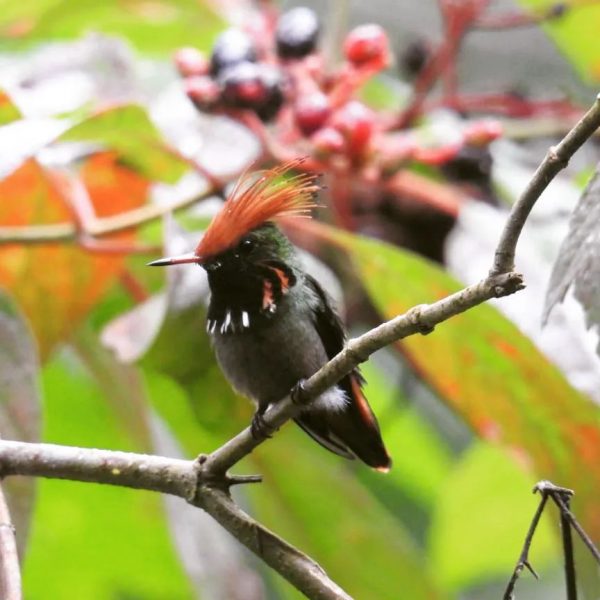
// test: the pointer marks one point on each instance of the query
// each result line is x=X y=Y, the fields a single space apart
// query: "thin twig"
x=65 y=232
x=517 y=18
x=205 y=482
x=557 y=159
x=565 y=511
x=524 y=556
x=568 y=553
x=458 y=19
x=10 y=573
x=561 y=497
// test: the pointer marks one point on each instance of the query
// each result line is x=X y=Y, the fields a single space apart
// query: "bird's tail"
x=351 y=431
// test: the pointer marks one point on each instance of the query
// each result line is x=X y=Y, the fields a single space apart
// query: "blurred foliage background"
x=99 y=140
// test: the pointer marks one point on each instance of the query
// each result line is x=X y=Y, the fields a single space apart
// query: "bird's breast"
x=266 y=359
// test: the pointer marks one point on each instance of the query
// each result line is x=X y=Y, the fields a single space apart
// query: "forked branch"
x=205 y=483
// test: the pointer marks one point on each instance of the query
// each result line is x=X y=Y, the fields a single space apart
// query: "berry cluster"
x=274 y=69
x=272 y=77
x=245 y=72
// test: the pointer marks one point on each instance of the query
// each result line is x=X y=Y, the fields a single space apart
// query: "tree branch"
x=568 y=554
x=184 y=478
x=557 y=159
x=524 y=556
x=10 y=573
x=420 y=319
x=570 y=517
x=205 y=482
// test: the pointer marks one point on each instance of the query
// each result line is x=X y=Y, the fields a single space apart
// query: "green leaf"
x=316 y=502
x=575 y=33
x=412 y=487
x=489 y=373
x=174 y=405
x=308 y=495
x=157 y=27
x=8 y=110
x=487 y=496
x=97 y=541
x=128 y=130
x=382 y=93
x=19 y=406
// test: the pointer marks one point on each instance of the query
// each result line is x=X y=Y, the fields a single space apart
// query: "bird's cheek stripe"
x=267 y=299
x=284 y=280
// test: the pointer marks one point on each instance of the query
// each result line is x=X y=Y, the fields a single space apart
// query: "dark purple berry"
x=253 y=86
x=558 y=10
x=415 y=57
x=231 y=48
x=297 y=32
x=472 y=164
x=273 y=82
x=241 y=85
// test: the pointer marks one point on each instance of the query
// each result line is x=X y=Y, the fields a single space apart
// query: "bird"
x=271 y=324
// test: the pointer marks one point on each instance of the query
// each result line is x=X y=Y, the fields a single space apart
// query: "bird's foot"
x=259 y=428
x=298 y=392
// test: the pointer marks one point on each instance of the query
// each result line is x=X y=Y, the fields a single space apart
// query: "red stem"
x=458 y=18
x=133 y=286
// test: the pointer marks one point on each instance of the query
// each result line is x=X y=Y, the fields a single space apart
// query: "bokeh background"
x=98 y=126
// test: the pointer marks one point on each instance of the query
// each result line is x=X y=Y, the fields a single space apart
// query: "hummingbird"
x=271 y=324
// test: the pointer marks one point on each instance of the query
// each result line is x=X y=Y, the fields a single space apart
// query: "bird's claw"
x=259 y=428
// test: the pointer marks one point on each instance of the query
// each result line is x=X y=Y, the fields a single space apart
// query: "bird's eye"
x=246 y=246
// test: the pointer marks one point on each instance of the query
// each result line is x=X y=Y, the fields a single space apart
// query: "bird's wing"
x=354 y=429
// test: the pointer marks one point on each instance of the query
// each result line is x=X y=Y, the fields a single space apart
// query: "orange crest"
x=259 y=197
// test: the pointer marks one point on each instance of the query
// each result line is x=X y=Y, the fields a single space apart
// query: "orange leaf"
x=56 y=284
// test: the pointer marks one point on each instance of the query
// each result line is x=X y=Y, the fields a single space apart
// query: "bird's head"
x=243 y=233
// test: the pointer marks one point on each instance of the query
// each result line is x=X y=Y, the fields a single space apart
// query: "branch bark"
x=205 y=482
x=10 y=573
x=420 y=319
x=184 y=478
x=557 y=159
x=561 y=497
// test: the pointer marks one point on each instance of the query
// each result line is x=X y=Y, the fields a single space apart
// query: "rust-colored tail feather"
x=351 y=432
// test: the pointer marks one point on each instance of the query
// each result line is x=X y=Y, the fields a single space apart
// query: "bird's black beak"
x=182 y=259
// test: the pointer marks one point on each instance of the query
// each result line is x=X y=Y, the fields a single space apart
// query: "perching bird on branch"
x=271 y=324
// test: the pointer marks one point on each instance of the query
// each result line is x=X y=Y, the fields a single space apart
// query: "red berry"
x=202 y=91
x=311 y=112
x=190 y=61
x=367 y=44
x=327 y=141
x=356 y=122
x=481 y=133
